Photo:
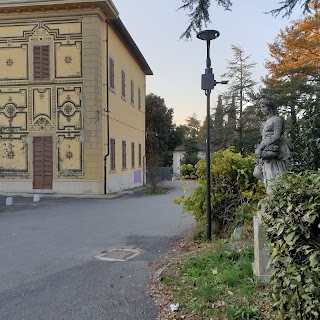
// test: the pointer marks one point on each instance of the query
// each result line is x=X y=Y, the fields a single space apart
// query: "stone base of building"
x=58 y=187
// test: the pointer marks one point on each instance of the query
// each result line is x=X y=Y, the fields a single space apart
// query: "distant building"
x=178 y=158
x=72 y=98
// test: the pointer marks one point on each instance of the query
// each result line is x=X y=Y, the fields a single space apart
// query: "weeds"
x=218 y=283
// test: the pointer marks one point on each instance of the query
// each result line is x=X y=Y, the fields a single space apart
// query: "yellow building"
x=72 y=98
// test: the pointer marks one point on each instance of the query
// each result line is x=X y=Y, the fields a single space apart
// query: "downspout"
x=107 y=111
x=145 y=136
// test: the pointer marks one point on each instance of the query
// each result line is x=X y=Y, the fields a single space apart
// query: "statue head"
x=268 y=101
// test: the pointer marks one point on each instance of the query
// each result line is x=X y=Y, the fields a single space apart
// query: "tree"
x=191 y=151
x=162 y=136
x=242 y=85
x=199 y=11
x=252 y=120
x=231 y=123
x=295 y=51
x=306 y=147
x=176 y=138
x=294 y=67
x=218 y=125
x=193 y=125
x=158 y=125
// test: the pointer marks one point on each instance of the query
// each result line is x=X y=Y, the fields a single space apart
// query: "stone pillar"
x=262 y=253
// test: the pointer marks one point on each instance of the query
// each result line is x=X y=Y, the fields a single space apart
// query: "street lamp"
x=208 y=83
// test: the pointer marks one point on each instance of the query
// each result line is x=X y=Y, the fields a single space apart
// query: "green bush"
x=292 y=220
x=188 y=171
x=232 y=184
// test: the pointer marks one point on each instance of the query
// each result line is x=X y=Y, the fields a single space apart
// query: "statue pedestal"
x=261 y=251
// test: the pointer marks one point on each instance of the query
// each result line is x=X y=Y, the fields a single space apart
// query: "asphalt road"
x=48 y=250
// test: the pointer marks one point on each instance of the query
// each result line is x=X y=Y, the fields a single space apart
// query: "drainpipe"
x=107 y=111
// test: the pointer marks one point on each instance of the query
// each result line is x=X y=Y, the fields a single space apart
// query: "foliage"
x=252 y=120
x=191 y=151
x=232 y=183
x=243 y=217
x=241 y=89
x=177 y=136
x=162 y=134
x=218 y=283
x=199 y=11
x=231 y=123
x=218 y=125
x=306 y=138
x=295 y=50
x=193 y=126
x=293 y=68
x=188 y=171
x=158 y=122
x=292 y=219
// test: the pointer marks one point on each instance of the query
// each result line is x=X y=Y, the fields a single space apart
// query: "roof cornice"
x=20 y=6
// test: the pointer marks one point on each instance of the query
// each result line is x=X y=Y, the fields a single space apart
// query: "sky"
x=156 y=27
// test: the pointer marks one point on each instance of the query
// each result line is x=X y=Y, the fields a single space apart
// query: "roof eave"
x=125 y=36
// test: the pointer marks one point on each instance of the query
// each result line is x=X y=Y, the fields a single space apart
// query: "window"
x=112 y=154
x=123 y=84
x=132 y=91
x=140 y=155
x=124 y=155
x=111 y=74
x=41 y=63
x=139 y=99
x=132 y=155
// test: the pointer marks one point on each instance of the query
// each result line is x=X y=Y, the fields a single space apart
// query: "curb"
x=75 y=196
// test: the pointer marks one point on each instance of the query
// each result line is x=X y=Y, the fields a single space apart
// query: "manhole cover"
x=118 y=254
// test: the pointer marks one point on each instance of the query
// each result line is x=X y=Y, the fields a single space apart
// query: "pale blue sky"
x=156 y=26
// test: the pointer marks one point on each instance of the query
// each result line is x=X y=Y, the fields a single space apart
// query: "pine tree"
x=241 y=90
x=218 y=126
x=231 y=123
x=199 y=11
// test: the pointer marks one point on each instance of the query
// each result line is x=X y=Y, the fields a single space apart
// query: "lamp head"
x=208 y=35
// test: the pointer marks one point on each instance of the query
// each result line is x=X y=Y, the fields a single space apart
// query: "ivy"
x=292 y=220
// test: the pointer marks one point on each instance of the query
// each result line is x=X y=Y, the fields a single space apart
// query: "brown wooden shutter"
x=37 y=163
x=45 y=62
x=41 y=62
x=42 y=163
x=37 y=63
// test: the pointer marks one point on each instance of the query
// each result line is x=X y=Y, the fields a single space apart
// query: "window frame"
x=44 y=69
x=140 y=155
x=123 y=84
x=133 y=162
x=139 y=99
x=132 y=92
x=124 y=155
x=112 y=154
x=111 y=74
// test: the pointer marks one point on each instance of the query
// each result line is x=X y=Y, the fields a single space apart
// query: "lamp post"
x=207 y=84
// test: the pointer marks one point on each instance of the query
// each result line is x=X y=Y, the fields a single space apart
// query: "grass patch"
x=218 y=283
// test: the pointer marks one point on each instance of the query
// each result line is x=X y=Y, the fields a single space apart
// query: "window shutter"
x=41 y=62
x=37 y=63
x=45 y=62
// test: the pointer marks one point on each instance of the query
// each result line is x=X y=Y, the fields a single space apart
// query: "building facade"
x=72 y=98
x=178 y=159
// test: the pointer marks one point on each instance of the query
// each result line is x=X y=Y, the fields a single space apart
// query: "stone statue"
x=272 y=152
